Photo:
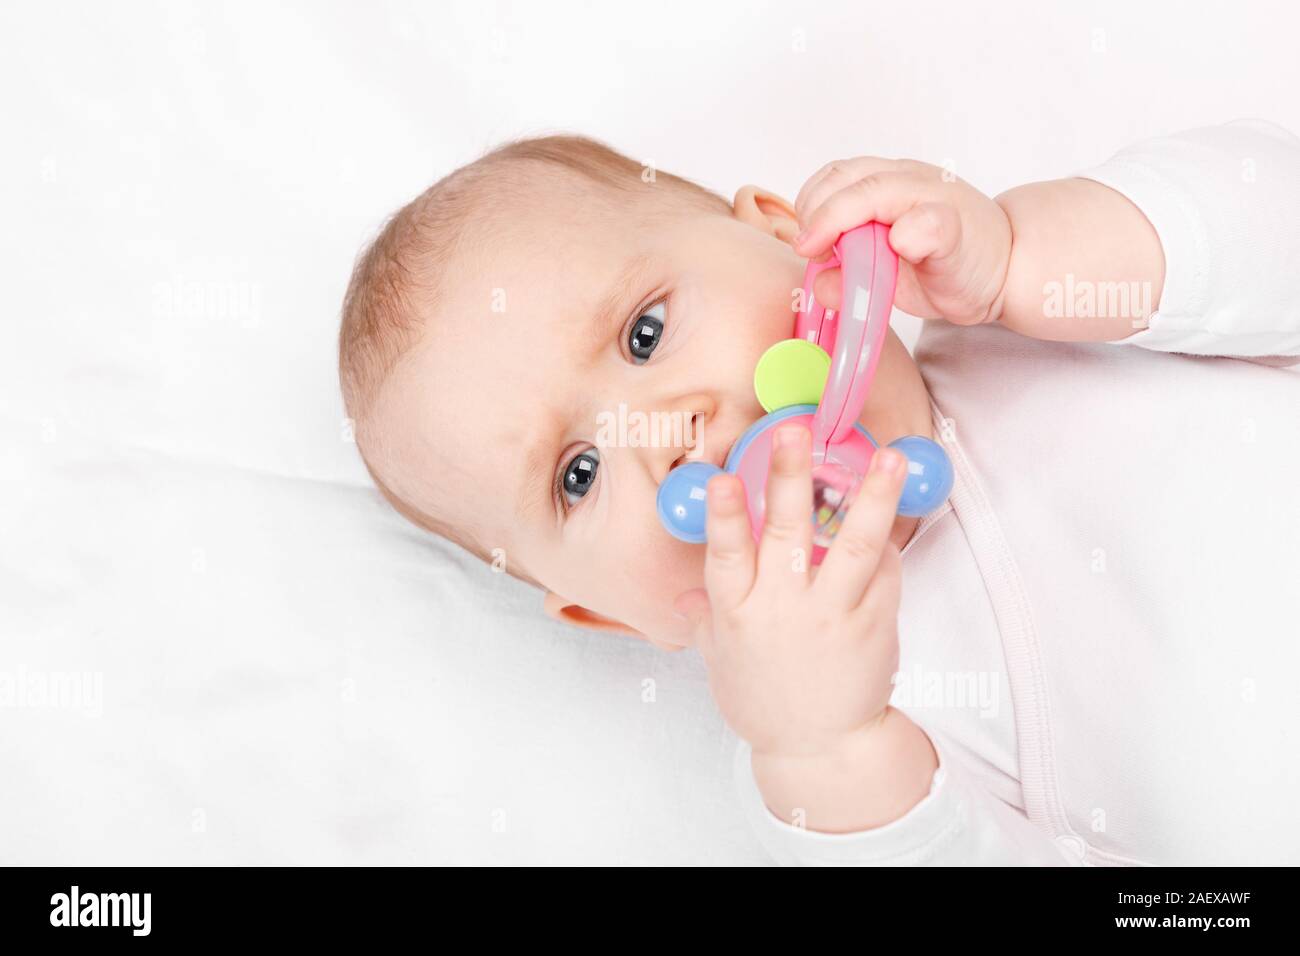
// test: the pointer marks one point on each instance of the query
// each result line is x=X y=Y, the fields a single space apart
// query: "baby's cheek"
x=641 y=574
x=670 y=567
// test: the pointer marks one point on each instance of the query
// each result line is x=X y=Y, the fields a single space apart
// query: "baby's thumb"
x=826 y=288
x=929 y=230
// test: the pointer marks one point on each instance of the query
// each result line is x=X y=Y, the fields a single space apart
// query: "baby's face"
x=505 y=417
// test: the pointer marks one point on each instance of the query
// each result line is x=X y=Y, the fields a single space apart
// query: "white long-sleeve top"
x=1100 y=631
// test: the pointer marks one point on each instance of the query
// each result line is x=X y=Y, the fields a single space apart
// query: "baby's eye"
x=580 y=474
x=646 y=332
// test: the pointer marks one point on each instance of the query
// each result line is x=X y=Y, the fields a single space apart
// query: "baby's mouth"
x=715 y=453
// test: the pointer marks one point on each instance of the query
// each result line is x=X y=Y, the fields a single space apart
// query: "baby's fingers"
x=854 y=555
x=729 y=557
x=880 y=197
x=925 y=236
x=828 y=288
x=786 y=543
x=833 y=177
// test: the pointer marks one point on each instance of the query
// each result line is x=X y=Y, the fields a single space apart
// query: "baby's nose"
x=676 y=433
x=681 y=440
x=666 y=433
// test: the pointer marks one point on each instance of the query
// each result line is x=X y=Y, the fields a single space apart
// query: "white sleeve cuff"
x=954 y=825
x=1225 y=203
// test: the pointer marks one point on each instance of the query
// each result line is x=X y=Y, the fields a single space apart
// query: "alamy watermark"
x=918 y=689
x=1085 y=299
x=628 y=428
x=53 y=690
x=209 y=301
x=75 y=908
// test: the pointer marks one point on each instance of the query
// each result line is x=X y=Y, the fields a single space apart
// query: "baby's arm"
x=800 y=666
x=1186 y=243
x=1086 y=265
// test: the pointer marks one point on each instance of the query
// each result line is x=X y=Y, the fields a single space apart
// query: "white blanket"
x=216 y=644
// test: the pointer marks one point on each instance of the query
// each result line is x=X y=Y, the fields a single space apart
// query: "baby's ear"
x=561 y=609
x=767 y=212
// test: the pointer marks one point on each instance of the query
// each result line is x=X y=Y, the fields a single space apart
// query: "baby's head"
x=549 y=298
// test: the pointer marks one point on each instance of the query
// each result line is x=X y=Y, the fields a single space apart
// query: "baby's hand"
x=800 y=660
x=953 y=242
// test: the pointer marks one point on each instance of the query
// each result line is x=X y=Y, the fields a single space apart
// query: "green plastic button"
x=792 y=372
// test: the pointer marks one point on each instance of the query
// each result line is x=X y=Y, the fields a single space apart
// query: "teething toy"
x=820 y=377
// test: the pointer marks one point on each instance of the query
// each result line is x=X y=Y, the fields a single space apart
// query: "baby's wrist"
x=998 y=308
x=860 y=780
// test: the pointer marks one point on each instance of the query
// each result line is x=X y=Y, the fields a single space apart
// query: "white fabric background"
x=288 y=673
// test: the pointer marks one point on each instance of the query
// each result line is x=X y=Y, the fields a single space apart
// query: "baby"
x=527 y=299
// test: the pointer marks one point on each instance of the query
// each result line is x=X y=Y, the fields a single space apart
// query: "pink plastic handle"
x=869 y=275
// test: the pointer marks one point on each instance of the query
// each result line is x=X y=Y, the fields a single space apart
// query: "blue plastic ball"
x=929 y=475
x=681 y=503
